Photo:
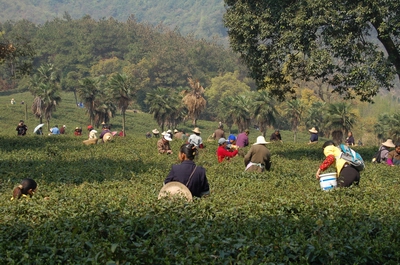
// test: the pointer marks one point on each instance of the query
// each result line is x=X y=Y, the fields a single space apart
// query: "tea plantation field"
x=98 y=205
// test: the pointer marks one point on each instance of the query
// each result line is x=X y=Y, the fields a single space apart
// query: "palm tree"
x=263 y=110
x=44 y=86
x=223 y=108
x=340 y=117
x=193 y=100
x=165 y=106
x=88 y=92
x=394 y=126
x=122 y=91
x=239 y=110
x=315 y=115
x=294 y=112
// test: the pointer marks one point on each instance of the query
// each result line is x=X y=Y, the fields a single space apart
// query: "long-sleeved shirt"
x=163 y=146
x=242 y=140
x=195 y=139
x=222 y=153
x=198 y=184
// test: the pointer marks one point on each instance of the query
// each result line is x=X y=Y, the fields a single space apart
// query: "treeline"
x=200 y=18
x=90 y=48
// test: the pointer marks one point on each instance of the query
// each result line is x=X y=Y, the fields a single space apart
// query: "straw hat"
x=261 y=140
x=155 y=131
x=388 y=143
x=163 y=133
x=107 y=137
x=175 y=188
x=175 y=131
x=169 y=131
x=313 y=130
x=196 y=130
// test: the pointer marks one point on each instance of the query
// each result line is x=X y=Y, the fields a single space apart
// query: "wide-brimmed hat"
x=175 y=131
x=175 y=188
x=313 y=130
x=261 y=140
x=196 y=130
x=155 y=131
x=388 y=143
x=107 y=137
x=169 y=131
x=167 y=137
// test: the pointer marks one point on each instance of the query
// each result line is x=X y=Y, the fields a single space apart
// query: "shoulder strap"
x=190 y=178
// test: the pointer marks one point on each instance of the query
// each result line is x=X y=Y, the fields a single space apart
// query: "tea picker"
x=346 y=173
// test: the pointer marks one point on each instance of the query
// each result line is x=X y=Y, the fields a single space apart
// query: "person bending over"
x=188 y=173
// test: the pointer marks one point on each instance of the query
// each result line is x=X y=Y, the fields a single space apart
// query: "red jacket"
x=222 y=153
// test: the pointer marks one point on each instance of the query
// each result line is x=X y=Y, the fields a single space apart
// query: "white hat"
x=64 y=126
x=261 y=140
x=313 y=130
x=175 y=188
x=388 y=143
x=196 y=130
x=164 y=133
x=175 y=131
x=167 y=137
x=169 y=131
x=155 y=131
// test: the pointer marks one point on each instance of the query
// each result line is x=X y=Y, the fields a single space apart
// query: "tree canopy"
x=353 y=46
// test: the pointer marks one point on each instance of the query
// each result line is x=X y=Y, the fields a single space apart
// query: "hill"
x=200 y=18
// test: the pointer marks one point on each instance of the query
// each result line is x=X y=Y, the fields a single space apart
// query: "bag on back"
x=377 y=157
x=352 y=157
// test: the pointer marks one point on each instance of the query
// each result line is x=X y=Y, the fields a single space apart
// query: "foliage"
x=317 y=41
x=294 y=112
x=98 y=204
x=44 y=86
x=121 y=89
x=193 y=100
x=202 y=19
x=223 y=86
x=263 y=110
x=166 y=107
x=340 y=116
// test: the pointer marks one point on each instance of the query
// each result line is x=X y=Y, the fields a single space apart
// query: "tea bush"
x=98 y=205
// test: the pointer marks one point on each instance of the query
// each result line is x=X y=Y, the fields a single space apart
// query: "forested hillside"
x=201 y=18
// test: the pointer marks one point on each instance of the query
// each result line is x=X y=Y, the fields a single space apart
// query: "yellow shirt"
x=336 y=152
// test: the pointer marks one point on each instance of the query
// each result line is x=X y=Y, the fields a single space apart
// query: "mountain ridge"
x=202 y=18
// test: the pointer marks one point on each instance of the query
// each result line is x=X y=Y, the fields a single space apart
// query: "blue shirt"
x=55 y=130
x=198 y=184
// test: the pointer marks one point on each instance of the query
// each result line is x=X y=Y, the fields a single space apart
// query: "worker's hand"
x=317 y=174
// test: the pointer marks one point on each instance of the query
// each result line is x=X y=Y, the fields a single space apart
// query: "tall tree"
x=121 y=90
x=193 y=100
x=88 y=92
x=340 y=117
x=314 y=39
x=263 y=110
x=44 y=86
x=166 y=107
x=294 y=113
x=239 y=109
